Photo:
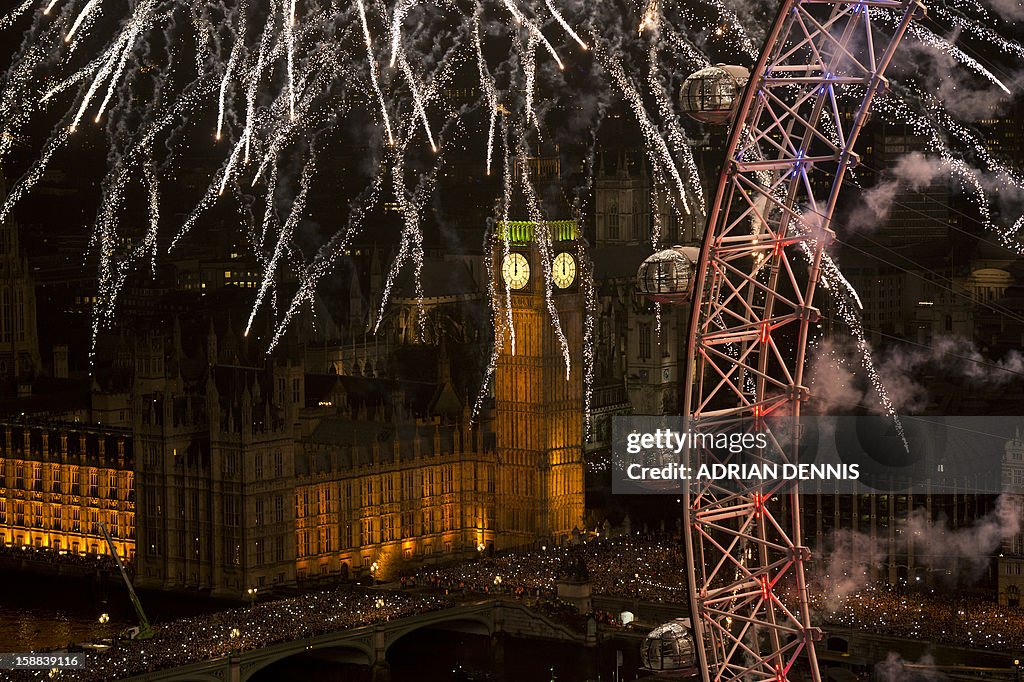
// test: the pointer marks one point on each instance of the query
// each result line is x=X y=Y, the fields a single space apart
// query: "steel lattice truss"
x=790 y=146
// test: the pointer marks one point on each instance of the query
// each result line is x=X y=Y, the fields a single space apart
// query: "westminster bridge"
x=368 y=644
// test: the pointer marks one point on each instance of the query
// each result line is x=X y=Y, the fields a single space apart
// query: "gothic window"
x=644 y=332
x=612 y=220
x=19 y=314
x=231 y=513
x=5 y=315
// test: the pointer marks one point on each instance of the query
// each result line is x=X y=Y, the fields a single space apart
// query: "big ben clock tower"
x=539 y=405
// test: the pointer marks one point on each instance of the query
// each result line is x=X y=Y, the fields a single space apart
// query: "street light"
x=235 y=633
x=374 y=567
x=252 y=595
x=104 y=618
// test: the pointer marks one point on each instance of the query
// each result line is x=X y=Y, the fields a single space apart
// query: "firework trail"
x=261 y=96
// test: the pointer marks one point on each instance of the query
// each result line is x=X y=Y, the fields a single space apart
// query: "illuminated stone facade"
x=214 y=467
x=58 y=482
x=387 y=482
x=538 y=401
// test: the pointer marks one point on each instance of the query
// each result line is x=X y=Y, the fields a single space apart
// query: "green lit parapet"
x=521 y=231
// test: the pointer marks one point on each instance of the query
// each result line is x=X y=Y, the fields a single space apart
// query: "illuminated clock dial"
x=564 y=270
x=516 y=270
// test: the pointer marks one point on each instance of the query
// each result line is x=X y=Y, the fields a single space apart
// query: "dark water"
x=39 y=612
x=442 y=656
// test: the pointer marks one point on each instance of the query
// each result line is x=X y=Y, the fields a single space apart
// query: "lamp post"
x=374 y=567
x=252 y=595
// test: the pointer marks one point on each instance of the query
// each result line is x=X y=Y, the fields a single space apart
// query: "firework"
x=271 y=92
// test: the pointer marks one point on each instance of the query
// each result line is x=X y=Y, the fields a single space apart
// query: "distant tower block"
x=19 y=342
x=709 y=95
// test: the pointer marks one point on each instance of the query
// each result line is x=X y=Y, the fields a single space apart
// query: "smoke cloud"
x=1011 y=10
x=848 y=565
x=915 y=171
x=895 y=669
x=960 y=555
x=964 y=553
x=837 y=389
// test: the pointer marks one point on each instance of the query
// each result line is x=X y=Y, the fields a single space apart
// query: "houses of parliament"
x=218 y=468
x=456 y=430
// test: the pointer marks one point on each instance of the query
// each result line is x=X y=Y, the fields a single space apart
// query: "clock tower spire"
x=538 y=381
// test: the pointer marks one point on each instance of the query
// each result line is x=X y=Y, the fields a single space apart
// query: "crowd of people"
x=202 y=638
x=645 y=568
x=45 y=554
x=957 y=619
x=652 y=569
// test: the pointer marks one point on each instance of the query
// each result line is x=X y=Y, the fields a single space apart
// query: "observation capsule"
x=669 y=649
x=709 y=95
x=668 y=276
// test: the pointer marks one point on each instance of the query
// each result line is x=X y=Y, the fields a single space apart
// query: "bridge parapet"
x=369 y=644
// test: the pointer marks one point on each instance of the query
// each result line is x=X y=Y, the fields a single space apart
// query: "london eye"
x=752 y=292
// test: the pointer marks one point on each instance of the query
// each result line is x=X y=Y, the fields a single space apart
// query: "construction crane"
x=145 y=629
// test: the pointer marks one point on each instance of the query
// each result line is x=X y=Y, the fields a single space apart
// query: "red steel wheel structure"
x=791 y=143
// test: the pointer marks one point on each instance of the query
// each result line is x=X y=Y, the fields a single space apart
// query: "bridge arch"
x=468 y=623
x=358 y=651
x=193 y=677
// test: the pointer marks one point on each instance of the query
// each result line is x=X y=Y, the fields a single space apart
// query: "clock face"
x=515 y=269
x=563 y=270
